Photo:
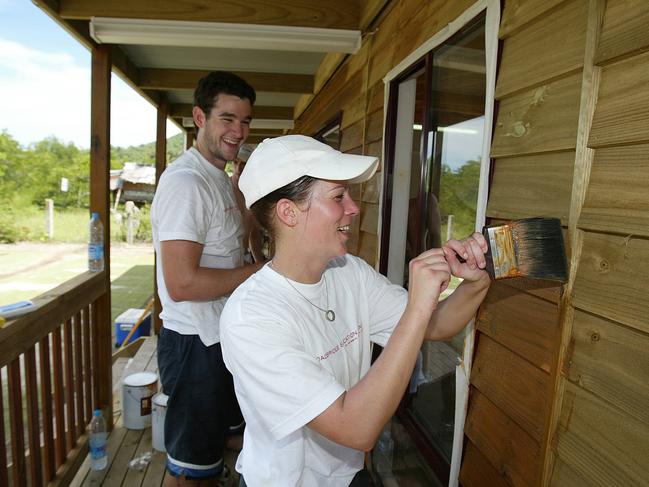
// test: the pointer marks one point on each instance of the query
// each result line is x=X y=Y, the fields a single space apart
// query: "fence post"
x=449 y=227
x=49 y=217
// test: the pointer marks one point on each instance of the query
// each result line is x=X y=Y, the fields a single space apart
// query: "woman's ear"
x=286 y=212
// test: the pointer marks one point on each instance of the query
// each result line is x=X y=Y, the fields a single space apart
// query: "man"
x=198 y=233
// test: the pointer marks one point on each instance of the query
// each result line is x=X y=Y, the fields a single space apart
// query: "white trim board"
x=492 y=24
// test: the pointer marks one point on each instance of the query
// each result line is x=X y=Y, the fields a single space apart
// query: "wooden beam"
x=333 y=14
x=160 y=165
x=180 y=110
x=99 y=202
x=187 y=79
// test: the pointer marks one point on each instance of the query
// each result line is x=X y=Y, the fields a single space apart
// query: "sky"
x=45 y=85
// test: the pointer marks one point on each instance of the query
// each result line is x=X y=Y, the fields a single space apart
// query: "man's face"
x=227 y=127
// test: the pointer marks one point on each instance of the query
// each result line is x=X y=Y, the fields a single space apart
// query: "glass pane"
x=447 y=209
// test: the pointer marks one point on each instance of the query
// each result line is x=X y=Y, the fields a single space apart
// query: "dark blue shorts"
x=202 y=408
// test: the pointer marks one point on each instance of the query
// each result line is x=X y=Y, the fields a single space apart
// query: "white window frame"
x=492 y=24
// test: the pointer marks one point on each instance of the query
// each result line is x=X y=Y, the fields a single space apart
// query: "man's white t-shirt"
x=289 y=364
x=194 y=201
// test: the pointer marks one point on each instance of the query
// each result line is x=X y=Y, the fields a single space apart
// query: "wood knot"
x=604 y=265
x=594 y=337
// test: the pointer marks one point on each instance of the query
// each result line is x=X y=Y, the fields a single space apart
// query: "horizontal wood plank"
x=476 y=471
x=512 y=383
x=548 y=290
x=599 y=442
x=612 y=279
x=258 y=111
x=612 y=362
x=622 y=111
x=624 y=29
x=334 y=97
x=352 y=136
x=535 y=185
x=52 y=308
x=335 y=14
x=563 y=475
x=374 y=128
x=187 y=79
x=617 y=197
x=516 y=15
x=539 y=120
x=419 y=20
x=521 y=322
x=513 y=452
x=527 y=58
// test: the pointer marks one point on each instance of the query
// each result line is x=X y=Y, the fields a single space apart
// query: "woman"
x=297 y=335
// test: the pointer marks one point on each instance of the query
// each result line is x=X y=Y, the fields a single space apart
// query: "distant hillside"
x=145 y=153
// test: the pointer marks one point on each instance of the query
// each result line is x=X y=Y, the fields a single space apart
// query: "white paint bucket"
x=158 y=421
x=137 y=398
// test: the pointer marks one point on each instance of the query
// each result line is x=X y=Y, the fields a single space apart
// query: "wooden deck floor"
x=124 y=444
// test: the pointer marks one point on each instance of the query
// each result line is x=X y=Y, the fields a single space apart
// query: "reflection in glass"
x=447 y=143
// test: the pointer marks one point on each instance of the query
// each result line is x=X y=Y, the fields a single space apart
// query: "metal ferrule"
x=503 y=252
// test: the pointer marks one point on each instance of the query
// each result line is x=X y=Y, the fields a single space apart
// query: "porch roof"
x=286 y=49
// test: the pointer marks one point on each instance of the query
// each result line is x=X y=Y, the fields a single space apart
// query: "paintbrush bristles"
x=531 y=247
x=540 y=249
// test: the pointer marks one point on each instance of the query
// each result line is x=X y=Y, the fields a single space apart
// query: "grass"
x=70 y=225
x=29 y=269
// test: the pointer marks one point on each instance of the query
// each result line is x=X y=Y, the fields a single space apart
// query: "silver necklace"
x=330 y=315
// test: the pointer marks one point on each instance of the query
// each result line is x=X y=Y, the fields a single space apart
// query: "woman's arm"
x=356 y=418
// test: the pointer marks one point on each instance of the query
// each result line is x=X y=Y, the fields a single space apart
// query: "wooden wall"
x=559 y=387
x=600 y=433
x=534 y=151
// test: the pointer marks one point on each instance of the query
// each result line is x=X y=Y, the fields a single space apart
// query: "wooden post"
x=190 y=136
x=49 y=217
x=160 y=164
x=99 y=202
x=449 y=227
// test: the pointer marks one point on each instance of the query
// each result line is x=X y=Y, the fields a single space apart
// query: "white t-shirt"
x=290 y=364
x=194 y=201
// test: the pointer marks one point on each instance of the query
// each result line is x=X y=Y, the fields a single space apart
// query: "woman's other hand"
x=430 y=275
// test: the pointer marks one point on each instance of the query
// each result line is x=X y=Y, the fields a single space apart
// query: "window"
x=330 y=134
x=436 y=161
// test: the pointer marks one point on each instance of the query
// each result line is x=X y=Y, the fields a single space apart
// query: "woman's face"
x=327 y=218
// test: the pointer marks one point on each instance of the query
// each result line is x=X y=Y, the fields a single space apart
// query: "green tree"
x=459 y=195
x=50 y=161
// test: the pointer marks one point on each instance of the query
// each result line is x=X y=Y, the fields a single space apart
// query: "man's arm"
x=186 y=280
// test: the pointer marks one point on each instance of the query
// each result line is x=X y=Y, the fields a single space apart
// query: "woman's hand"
x=471 y=250
x=430 y=275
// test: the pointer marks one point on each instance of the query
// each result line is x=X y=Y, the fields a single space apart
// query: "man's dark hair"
x=217 y=82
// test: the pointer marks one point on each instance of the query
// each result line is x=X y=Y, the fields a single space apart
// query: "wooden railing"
x=54 y=374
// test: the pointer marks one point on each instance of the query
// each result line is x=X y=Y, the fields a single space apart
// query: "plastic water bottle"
x=98 y=441
x=96 y=244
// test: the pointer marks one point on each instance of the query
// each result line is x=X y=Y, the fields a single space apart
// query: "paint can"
x=137 y=399
x=158 y=421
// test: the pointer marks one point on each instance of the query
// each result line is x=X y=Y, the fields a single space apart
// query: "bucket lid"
x=140 y=379
x=160 y=399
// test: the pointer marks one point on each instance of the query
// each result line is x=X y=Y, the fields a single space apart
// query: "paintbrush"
x=530 y=247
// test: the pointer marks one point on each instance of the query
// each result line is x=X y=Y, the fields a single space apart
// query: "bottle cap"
x=97 y=412
x=95 y=214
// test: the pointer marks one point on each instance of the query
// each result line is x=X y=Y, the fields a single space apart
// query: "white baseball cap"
x=279 y=161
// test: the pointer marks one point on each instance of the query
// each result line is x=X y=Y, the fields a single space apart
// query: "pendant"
x=330 y=315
